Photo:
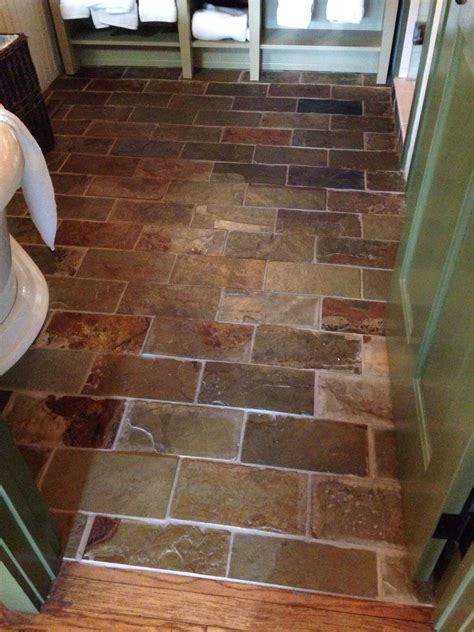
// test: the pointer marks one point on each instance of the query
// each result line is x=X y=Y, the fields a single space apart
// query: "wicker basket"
x=20 y=91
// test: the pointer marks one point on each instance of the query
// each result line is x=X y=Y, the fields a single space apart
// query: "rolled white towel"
x=157 y=10
x=74 y=9
x=345 y=11
x=36 y=184
x=218 y=23
x=294 y=14
x=112 y=6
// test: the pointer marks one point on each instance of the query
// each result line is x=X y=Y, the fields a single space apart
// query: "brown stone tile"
x=52 y=421
x=17 y=206
x=149 y=212
x=308 y=565
x=60 y=112
x=248 y=172
x=195 y=102
x=142 y=99
x=365 y=93
x=94 y=332
x=397 y=584
x=94 y=481
x=94 y=72
x=376 y=284
x=235 y=218
x=181 y=429
x=77 y=207
x=326 y=177
x=331 y=106
x=162 y=115
x=305 y=349
x=69 y=83
x=143 y=148
x=380 y=141
x=145 y=188
x=255 y=136
x=296 y=120
x=218 y=272
x=356 y=399
x=333 y=78
x=265 y=104
x=152 y=72
x=198 y=241
x=96 y=113
x=382 y=227
x=130 y=266
x=24 y=231
x=59 y=262
x=386 y=461
x=71 y=528
x=308 y=278
x=169 y=547
x=238 y=89
x=70 y=184
x=245 y=306
x=175 y=169
x=374 y=107
x=170 y=300
x=167 y=131
x=199 y=339
x=318 y=223
x=374 y=356
x=150 y=378
x=104 y=235
x=356 y=252
x=285 y=197
x=228 y=119
x=270 y=247
x=48 y=370
x=316 y=138
x=117 y=85
x=361 y=202
x=55 y=160
x=382 y=160
x=176 y=87
x=75 y=97
x=82 y=144
x=35 y=459
x=363 y=123
x=265 y=388
x=385 y=180
x=285 y=76
x=221 y=493
x=69 y=127
x=353 y=512
x=217 y=74
x=100 y=165
x=84 y=294
x=204 y=192
x=360 y=317
x=119 y=129
x=318 y=91
x=290 y=156
x=216 y=151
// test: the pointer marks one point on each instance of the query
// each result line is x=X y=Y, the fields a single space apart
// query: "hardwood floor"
x=97 y=598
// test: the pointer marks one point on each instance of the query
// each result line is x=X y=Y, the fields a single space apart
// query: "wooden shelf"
x=112 y=37
x=320 y=39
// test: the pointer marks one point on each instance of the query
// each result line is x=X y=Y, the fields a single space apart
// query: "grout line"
x=309 y=485
x=123 y=421
x=229 y=556
x=372 y=460
x=242 y=437
x=44 y=469
x=199 y=382
x=85 y=536
x=173 y=488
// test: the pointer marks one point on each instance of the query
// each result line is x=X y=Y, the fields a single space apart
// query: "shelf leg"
x=185 y=37
x=255 y=16
x=388 y=30
x=64 y=41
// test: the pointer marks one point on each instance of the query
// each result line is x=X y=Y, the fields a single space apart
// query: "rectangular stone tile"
x=55 y=160
x=308 y=278
x=181 y=429
x=305 y=349
x=151 y=72
x=69 y=83
x=285 y=197
x=83 y=144
x=375 y=141
x=275 y=76
x=306 y=444
x=352 y=512
x=84 y=294
x=76 y=97
x=361 y=202
x=71 y=527
x=35 y=459
x=245 y=306
x=175 y=169
x=145 y=188
x=226 y=118
x=205 y=192
x=325 y=177
x=117 y=85
x=145 y=99
x=217 y=74
x=374 y=356
x=333 y=78
x=137 y=485
x=69 y=126
x=270 y=247
x=143 y=148
x=168 y=131
x=363 y=124
x=120 y=129
x=180 y=239
x=77 y=207
x=290 y=156
x=382 y=227
x=94 y=72
x=255 y=136
x=356 y=399
x=176 y=87
x=101 y=234
x=94 y=332
x=386 y=459
x=385 y=180
x=162 y=115
x=382 y=160
x=264 y=104
x=169 y=547
x=376 y=284
x=17 y=206
x=216 y=151
x=199 y=339
x=116 y=265
x=357 y=252
x=24 y=231
x=376 y=93
x=318 y=223
x=238 y=89
x=265 y=388
x=360 y=317
x=308 y=565
x=299 y=90
x=330 y=106
x=222 y=493
x=48 y=370
x=295 y=120
x=170 y=300
x=315 y=138
x=52 y=421
x=195 y=102
x=150 y=378
x=99 y=113
x=59 y=262
x=150 y=212
x=70 y=184
x=218 y=272
x=235 y=218
x=248 y=172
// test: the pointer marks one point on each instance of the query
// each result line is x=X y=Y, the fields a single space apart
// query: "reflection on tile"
x=245 y=306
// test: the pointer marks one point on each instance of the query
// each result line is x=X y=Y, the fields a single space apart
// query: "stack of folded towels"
x=297 y=14
x=121 y=13
x=218 y=23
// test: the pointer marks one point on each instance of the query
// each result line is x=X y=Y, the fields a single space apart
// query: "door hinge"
x=458 y=528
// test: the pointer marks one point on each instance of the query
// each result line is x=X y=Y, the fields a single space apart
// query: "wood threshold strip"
x=97 y=598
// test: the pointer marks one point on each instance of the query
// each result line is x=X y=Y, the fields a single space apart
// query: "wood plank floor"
x=97 y=598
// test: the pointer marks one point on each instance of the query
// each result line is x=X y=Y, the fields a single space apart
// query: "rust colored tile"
x=205 y=192
x=55 y=160
x=318 y=91
x=216 y=151
x=296 y=120
x=24 y=231
x=363 y=123
x=69 y=127
x=62 y=262
x=270 y=247
x=360 y=317
x=383 y=227
x=248 y=172
x=52 y=421
x=127 y=266
x=199 y=339
x=310 y=278
x=84 y=294
x=353 y=513
x=100 y=165
x=386 y=461
x=82 y=144
x=285 y=197
x=148 y=378
x=144 y=99
x=260 y=387
x=218 y=272
x=94 y=332
x=119 y=129
x=235 y=218
x=374 y=141
x=162 y=115
x=168 y=131
x=361 y=202
x=149 y=212
x=382 y=160
x=106 y=113
x=146 y=148
x=376 y=284
x=76 y=207
x=115 y=186
x=326 y=177
x=357 y=252
x=101 y=234
x=318 y=223
x=117 y=85
x=291 y=156
x=228 y=119
x=245 y=306
x=255 y=136
x=264 y=104
x=170 y=300
x=221 y=493
x=175 y=169
x=176 y=87
x=72 y=97
x=199 y=241
x=195 y=102
x=151 y=72
x=385 y=180
x=69 y=184
x=316 y=138
x=238 y=89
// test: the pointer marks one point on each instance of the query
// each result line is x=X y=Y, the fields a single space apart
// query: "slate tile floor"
x=209 y=393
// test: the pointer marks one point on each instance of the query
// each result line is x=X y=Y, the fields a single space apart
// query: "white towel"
x=102 y=18
x=157 y=10
x=218 y=23
x=112 y=6
x=346 y=11
x=36 y=184
x=74 y=9
x=294 y=14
